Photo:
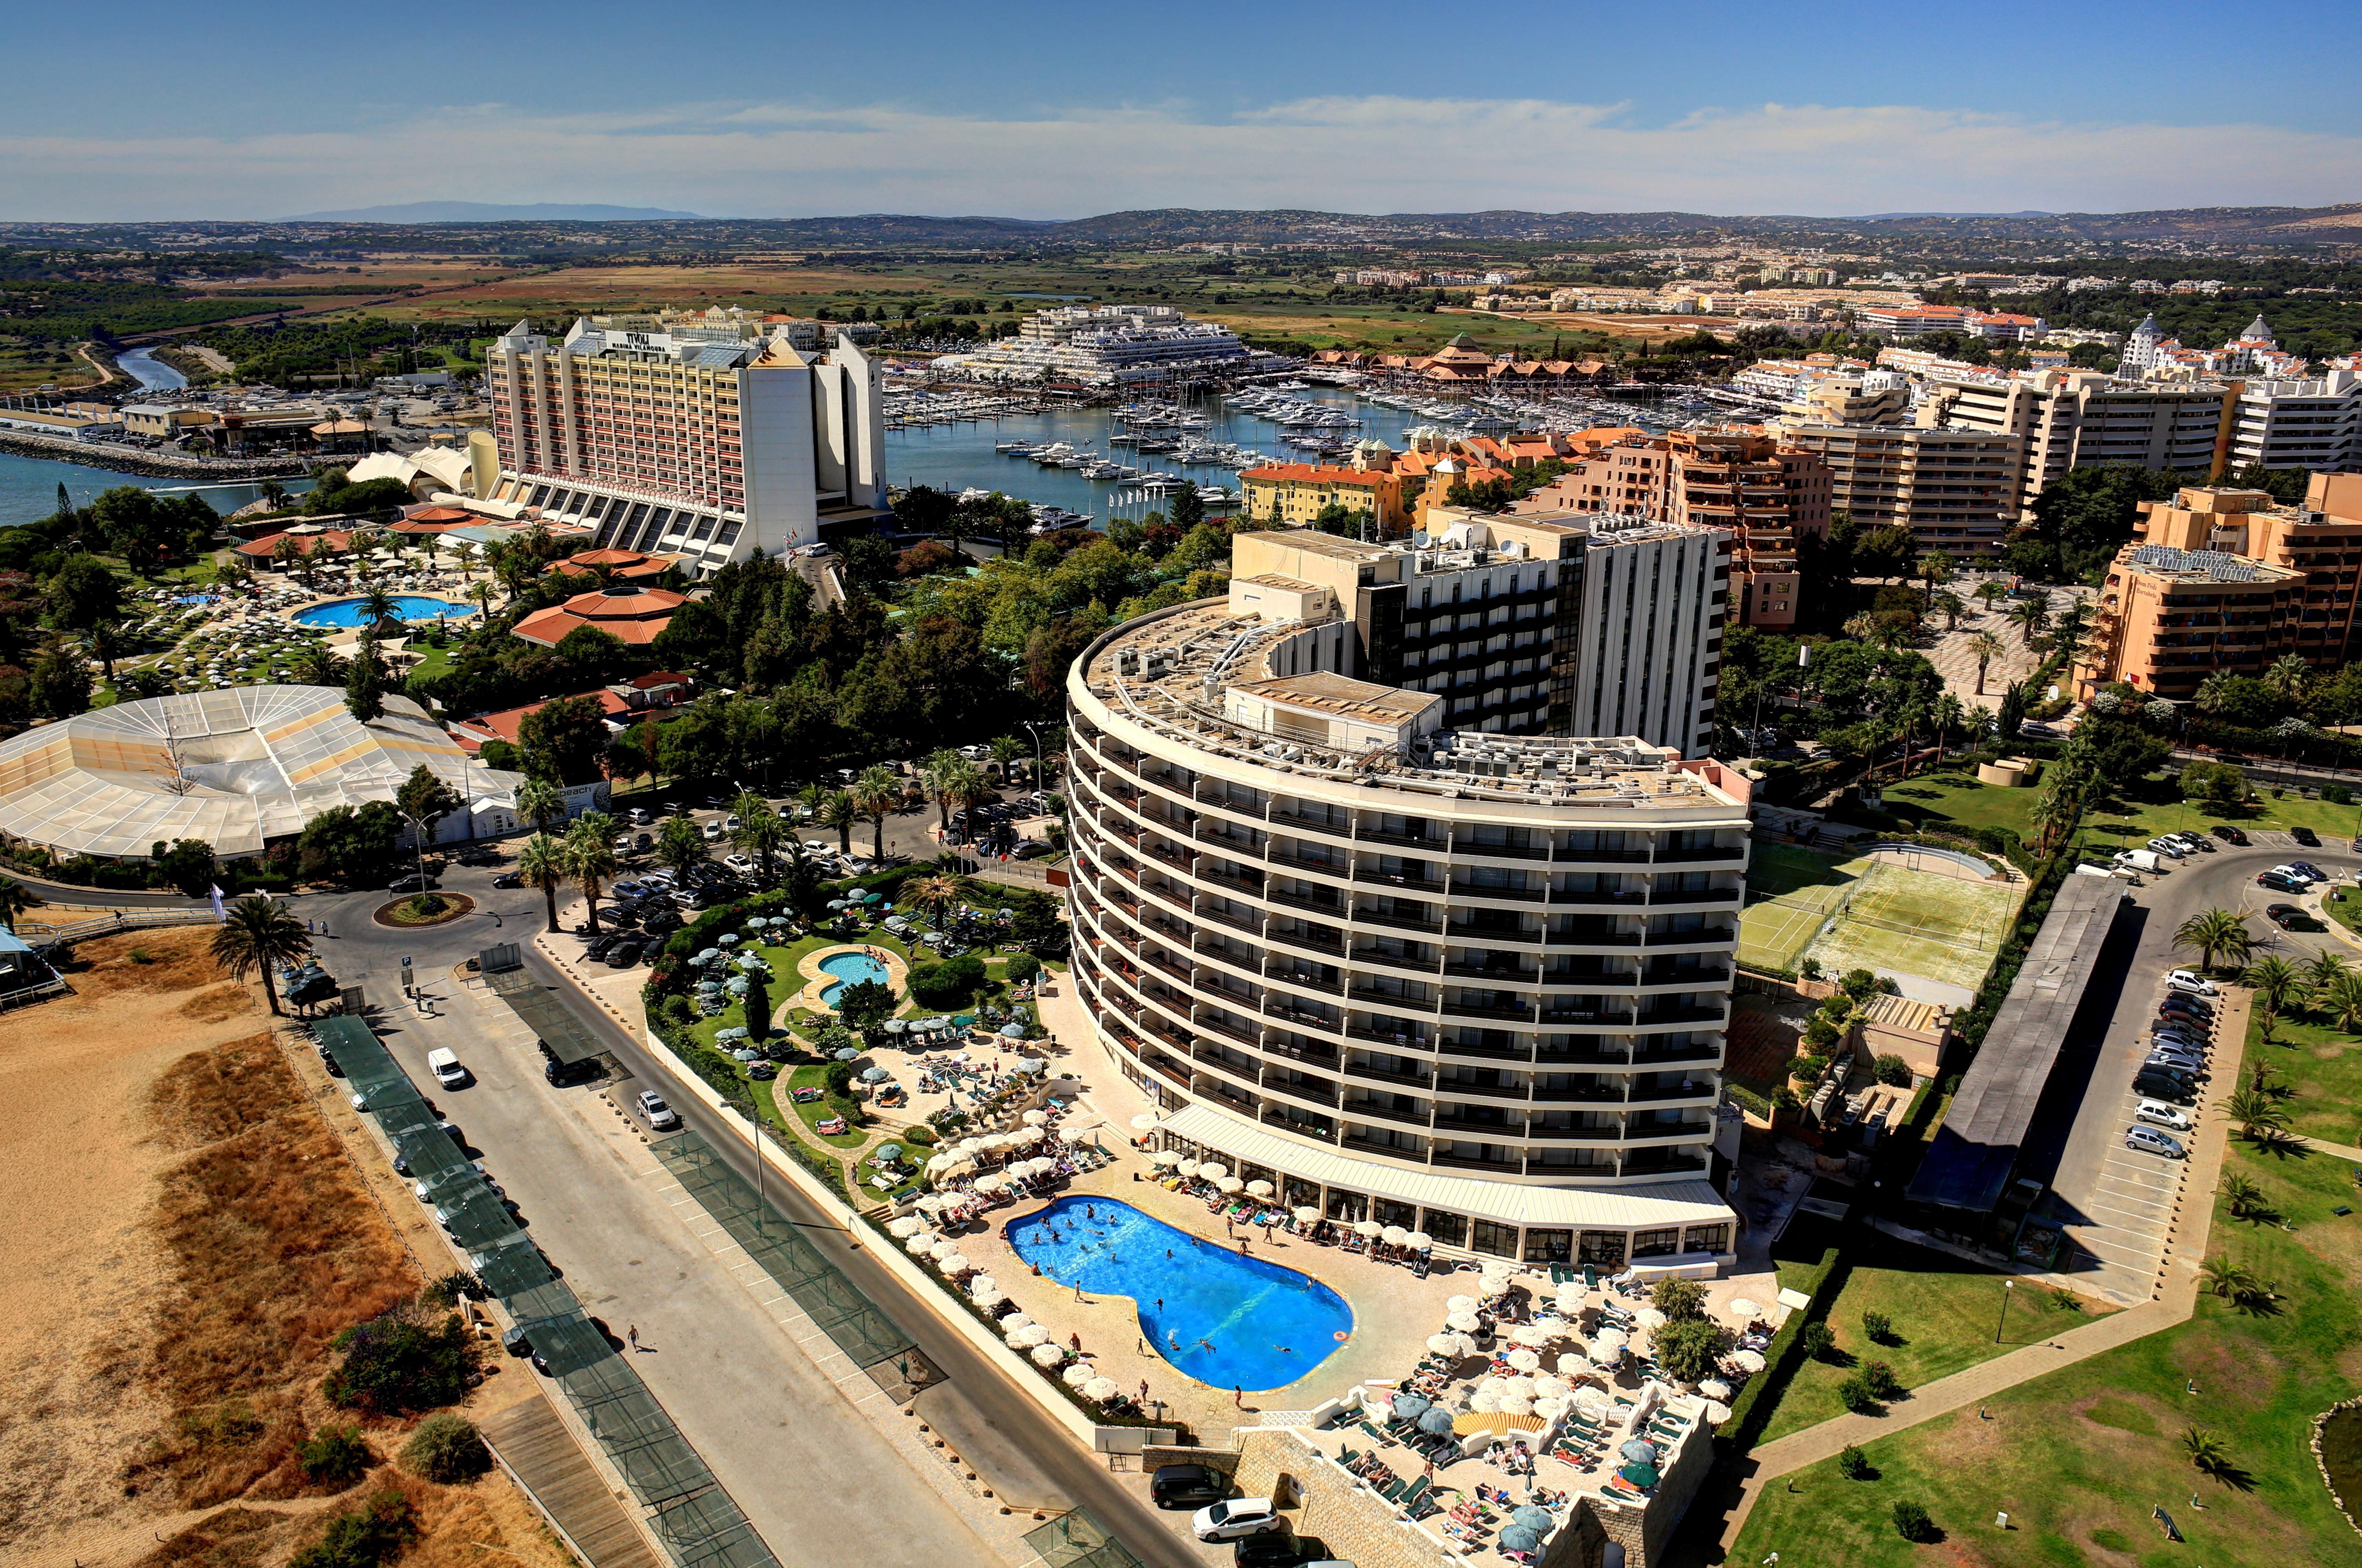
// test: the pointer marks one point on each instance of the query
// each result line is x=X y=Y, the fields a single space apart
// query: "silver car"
x=662 y=1117
x=2149 y=1141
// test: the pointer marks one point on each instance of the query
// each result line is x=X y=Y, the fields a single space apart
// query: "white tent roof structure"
x=236 y=767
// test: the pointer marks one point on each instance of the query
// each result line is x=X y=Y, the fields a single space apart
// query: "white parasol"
x=1717 y=1412
x=1213 y=1170
x=1740 y=1307
x=1229 y=1182
x=983 y=1285
x=1522 y=1388
x=1030 y=1337
x=1366 y=1227
x=954 y=1262
x=1486 y=1401
x=1036 y=1119
x=989 y=1299
x=1393 y=1235
x=1460 y=1304
x=1512 y=1405
x=1188 y=1168
x=1715 y=1388
x=1082 y=1372
x=1418 y=1240
x=992 y=1183
x=1145 y=1121
x=1164 y=1157
x=1260 y=1189
x=906 y=1226
x=1548 y=1388
x=1649 y=1318
x=1534 y=1335
x=1048 y=1355
x=1099 y=1388
x=1748 y=1361
x=1525 y=1361
x=1306 y=1215
x=1461 y=1322
x=1590 y=1396
x=1443 y=1344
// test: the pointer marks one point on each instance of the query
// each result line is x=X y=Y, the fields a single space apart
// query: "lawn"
x=2155 y=807
x=2322 y=1067
x=1943 y=1313
x=2079 y=1458
x=813 y=1075
x=1957 y=802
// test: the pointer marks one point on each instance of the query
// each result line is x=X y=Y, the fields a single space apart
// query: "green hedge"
x=1751 y=1411
x=1741 y=1095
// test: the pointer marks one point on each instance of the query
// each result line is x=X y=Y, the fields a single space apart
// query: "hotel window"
x=1446 y=1229
x=1501 y=1241
x=1655 y=1243
x=1708 y=1239
x=1603 y=1249
x=1548 y=1246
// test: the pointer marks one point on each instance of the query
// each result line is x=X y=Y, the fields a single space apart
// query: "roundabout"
x=398 y=914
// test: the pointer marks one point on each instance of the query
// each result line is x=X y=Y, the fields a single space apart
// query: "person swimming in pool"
x=1173 y=1341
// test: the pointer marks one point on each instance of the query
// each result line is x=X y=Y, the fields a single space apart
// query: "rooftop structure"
x=1106 y=346
x=238 y=768
x=1471 y=983
x=632 y=611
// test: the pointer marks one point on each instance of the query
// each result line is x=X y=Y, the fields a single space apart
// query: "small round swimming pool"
x=407 y=607
x=851 y=969
x=1224 y=1320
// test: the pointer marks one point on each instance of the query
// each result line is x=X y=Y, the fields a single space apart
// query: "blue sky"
x=1053 y=110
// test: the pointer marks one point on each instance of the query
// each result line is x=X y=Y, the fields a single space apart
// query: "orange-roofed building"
x=1299 y=493
x=628 y=611
x=622 y=565
x=258 y=552
x=435 y=520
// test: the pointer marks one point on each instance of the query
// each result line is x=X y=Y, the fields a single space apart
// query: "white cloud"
x=1345 y=154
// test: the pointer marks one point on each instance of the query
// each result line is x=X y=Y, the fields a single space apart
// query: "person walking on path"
x=1239 y=1396
x=634 y=1335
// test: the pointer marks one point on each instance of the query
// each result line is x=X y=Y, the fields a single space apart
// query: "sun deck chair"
x=1393 y=1493
x=1411 y=1495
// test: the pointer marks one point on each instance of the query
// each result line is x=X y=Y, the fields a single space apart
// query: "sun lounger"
x=1418 y=1490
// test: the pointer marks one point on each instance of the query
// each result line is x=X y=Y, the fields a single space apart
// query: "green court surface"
x=1791 y=893
x=1916 y=922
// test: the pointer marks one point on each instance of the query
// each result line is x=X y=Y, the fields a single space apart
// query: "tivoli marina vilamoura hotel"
x=1473 y=986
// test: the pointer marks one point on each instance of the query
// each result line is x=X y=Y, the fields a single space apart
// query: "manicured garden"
x=2079 y=1458
x=2322 y=1068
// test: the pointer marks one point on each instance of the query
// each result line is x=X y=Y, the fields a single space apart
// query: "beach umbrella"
x=1485 y=1402
x=1609 y=1340
x=1366 y=1227
x=1740 y=1307
x=1525 y=1361
x=896 y=1025
x=971 y=1145
x=1532 y=1518
x=1551 y=1409
x=889 y=1151
x=1748 y=1361
x=1048 y=1354
x=1517 y=1537
x=1409 y=1406
x=1717 y=1412
x=1229 y=1184
x=992 y=1183
x=1534 y=1335
x=1436 y=1421
x=1013 y=1030
x=1099 y=1388
x=955 y=1262
x=1306 y=1215
x=1497 y=1267
x=1213 y=1170
x=1548 y=1388
x=1641 y=1475
x=1570 y=1297
x=1418 y=1240
x=1461 y=1322
x=1146 y=1119
x=1522 y=1388
x=1715 y=1388
x=1259 y=1189
x=988 y=1299
x=1460 y=1304
x=848 y=1054
x=1443 y=1344
x=1082 y=1372
x=1014 y=1321
x=1026 y=1139
x=917 y=1245
x=909 y=1225
x=1393 y=1235
x=1032 y=1336
x=1493 y=1383
x=1187 y=1169
x=1164 y=1157
x=1590 y=1396
x=1515 y=1405
x=1639 y=1451
x=1649 y=1318
x=874 y=1075
x=1036 y=1118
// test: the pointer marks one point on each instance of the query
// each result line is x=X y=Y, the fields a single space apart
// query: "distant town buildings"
x=1104 y=346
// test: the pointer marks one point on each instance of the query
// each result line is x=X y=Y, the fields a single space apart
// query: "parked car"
x=2149 y=1141
x=508 y=879
x=2281 y=882
x=2139 y=860
x=2162 y=1084
x=1032 y=849
x=2307 y=868
x=623 y=954
x=479 y=857
x=2193 y=840
x=2187 y=1007
x=2177 y=1061
x=2162 y=1114
x=661 y=1115
x=2191 y=980
x=2288 y=917
x=2305 y=836
x=2173 y=848
x=739 y=864
x=445 y=1063
x=1273 y=1549
x=2228 y=833
x=2297 y=871
x=712 y=832
x=1186 y=1485
x=1238 y=1518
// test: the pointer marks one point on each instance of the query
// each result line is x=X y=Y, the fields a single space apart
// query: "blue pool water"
x=1231 y=1322
x=407 y=607
x=850 y=970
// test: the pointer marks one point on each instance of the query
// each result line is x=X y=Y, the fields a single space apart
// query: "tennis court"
x=1791 y=893
x=1916 y=923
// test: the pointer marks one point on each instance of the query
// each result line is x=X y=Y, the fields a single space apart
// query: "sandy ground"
x=93 y=1298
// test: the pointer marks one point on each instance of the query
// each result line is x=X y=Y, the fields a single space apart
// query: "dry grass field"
x=182 y=1236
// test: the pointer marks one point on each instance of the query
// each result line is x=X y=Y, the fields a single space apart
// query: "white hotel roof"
x=1655 y=1208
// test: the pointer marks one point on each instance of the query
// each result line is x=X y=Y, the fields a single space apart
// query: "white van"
x=445 y=1063
x=2140 y=860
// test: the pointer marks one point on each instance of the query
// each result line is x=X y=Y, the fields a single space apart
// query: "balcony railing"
x=1477 y=1163
x=1370 y=1110
x=1428 y=924
x=1423 y=885
x=1487 y=1009
x=1501 y=976
x=1422 y=1083
x=1331 y=906
x=1304 y=978
x=1319 y=1093
x=1404 y=1039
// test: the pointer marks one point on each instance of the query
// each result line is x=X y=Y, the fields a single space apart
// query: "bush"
x=447 y=1448
x=1818 y=1341
x=362 y=1540
x=448 y=1290
x=1853 y=1464
x=1878 y=1327
x=1912 y=1523
x=337 y=1455
x=919 y=1134
x=1880 y=1380
x=1854 y=1395
x=1679 y=1298
x=2337 y=794
x=1893 y=1070
x=1691 y=1348
x=403 y=1361
x=947 y=984
x=1023 y=967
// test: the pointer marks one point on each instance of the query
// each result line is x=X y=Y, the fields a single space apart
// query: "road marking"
x=2163 y=1221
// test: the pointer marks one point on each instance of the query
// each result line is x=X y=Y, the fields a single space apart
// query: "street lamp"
x=1033 y=728
x=2007 y=1288
x=417 y=844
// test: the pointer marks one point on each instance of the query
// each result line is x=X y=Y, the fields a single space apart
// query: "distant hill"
x=486 y=212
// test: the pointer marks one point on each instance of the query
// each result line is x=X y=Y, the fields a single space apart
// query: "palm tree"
x=935 y=894
x=1934 y=567
x=2275 y=983
x=2259 y=1116
x=273 y=492
x=2225 y=1278
x=257 y=932
x=2219 y=931
x=2059 y=807
x=591 y=858
x=465 y=552
x=679 y=846
x=1006 y=749
x=2206 y=1450
x=2287 y=676
x=542 y=862
x=287 y=554
x=1988 y=591
x=2322 y=974
x=482 y=594
x=2029 y=616
x=1949 y=719
x=935 y=773
x=2213 y=691
x=1987 y=647
x=1953 y=606
x=15 y=900
x=843 y=813
x=317 y=664
x=377 y=603
x=760 y=831
x=539 y=802
x=2343 y=1001
x=878 y=793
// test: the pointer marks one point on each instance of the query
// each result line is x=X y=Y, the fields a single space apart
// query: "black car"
x=2305 y=836
x=598 y=945
x=2278 y=883
x=623 y=954
x=661 y=923
x=1188 y=1485
x=2164 y=1086
x=2228 y=833
x=2183 y=1008
x=2288 y=917
x=508 y=879
x=1272 y=1549
x=559 y=1074
x=479 y=857
x=416 y=882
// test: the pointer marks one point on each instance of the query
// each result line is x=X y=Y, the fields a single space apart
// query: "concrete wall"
x=1323 y=1499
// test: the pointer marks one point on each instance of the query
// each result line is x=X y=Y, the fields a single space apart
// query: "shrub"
x=1854 y=1395
x=402 y=1362
x=1893 y=1070
x=447 y=1448
x=1912 y=1523
x=364 y=1539
x=449 y=1289
x=921 y=1135
x=2337 y=794
x=1679 y=1298
x=1818 y=1341
x=948 y=983
x=1023 y=967
x=1691 y=1348
x=1880 y=1380
x=337 y=1455
x=1878 y=1327
x=1853 y=1464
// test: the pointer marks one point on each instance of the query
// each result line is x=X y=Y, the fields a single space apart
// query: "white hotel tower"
x=1467 y=984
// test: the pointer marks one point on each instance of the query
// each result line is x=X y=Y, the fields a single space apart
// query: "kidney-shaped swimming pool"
x=1227 y=1321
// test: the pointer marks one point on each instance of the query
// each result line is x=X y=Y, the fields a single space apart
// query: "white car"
x=712 y=832
x=1235 y=1519
x=738 y=863
x=2190 y=982
x=2296 y=873
x=446 y=1066
x=661 y=1117
x=2162 y=1115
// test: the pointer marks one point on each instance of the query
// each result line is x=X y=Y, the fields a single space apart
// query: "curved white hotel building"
x=1468 y=984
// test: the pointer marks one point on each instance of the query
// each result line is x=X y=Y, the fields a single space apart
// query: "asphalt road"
x=2118 y=1205
x=753 y=1404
